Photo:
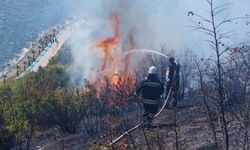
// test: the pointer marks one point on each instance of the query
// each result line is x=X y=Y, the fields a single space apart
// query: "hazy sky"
x=151 y=23
x=165 y=21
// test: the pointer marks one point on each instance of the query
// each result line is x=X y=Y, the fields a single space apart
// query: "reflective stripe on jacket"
x=151 y=102
x=151 y=88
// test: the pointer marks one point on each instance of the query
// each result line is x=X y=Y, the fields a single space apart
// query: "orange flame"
x=117 y=75
x=108 y=45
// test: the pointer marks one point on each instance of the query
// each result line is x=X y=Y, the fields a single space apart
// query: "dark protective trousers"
x=149 y=111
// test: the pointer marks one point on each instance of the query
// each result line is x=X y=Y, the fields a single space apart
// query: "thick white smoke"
x=144 y=24
x=85 y=60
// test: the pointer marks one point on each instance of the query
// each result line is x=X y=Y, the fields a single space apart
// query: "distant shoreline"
x=50 y=51
x=10 y=69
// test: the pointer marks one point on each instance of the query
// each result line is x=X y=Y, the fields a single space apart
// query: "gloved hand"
x=167 y=79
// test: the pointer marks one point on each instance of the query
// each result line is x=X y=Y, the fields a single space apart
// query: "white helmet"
x=152 y=70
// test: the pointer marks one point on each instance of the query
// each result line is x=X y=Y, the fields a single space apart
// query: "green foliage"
x=47 y=100
x=38 y=101
x=14 y=123
x=65 y=110
x=97 y=146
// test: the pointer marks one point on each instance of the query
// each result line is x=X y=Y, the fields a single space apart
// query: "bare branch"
x=221 y=53
x=209 y=2
x=200 y=27
x=223 y=22
x=221 y=6
x=211 y=42
x=226 y=35
x=202 y=18
x=221 y=10
x=230 y=20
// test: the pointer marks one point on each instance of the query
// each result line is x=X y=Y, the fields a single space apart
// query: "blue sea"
x=21 y=21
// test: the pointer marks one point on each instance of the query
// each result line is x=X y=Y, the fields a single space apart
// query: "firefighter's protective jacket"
x=151 y=89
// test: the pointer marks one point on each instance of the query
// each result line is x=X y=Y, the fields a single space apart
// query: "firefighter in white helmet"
x=151 y=89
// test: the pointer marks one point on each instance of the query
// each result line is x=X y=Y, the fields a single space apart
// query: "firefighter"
x=151 y=89
x=172 y=79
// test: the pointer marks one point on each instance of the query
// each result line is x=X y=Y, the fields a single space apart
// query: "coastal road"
x=50 y=51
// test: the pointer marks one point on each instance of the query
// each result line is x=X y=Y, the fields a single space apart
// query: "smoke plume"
x=144 y=24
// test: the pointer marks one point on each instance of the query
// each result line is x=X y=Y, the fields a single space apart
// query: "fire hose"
x=139 y=125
